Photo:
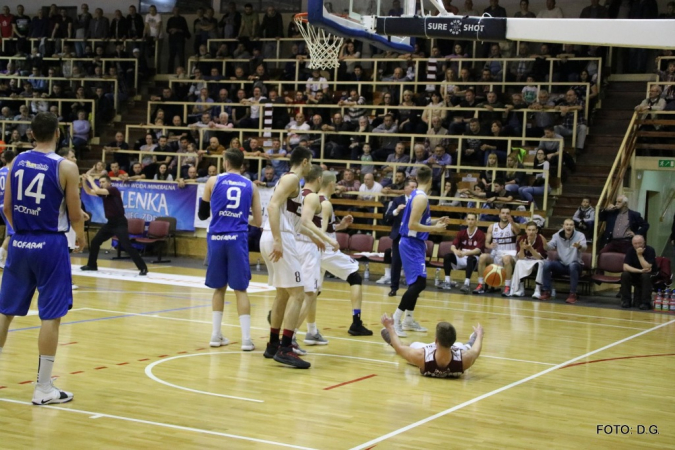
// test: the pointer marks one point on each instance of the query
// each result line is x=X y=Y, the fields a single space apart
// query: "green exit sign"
x=667 y=163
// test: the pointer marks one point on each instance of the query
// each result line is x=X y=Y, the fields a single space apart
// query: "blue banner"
x=148 y=200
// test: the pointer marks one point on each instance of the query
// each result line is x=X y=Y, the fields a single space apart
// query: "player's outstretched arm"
x=414 y=356
x=419 y=204
x=256 y=209
x=69 y=175
x=470 y=356
x=310 y=206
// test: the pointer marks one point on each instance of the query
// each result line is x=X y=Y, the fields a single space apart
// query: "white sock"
x=480 y=280
x=447 y=278
x=2 y=253
x=397 y=316
x=217 y=319
x=45 y=367
x=507 y=283
x=245 y=323
x=409 y=316
x=387 y=272
x=311 y=328
x=467 y=281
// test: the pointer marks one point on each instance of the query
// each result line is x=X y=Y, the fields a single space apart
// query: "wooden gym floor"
x=136 y=355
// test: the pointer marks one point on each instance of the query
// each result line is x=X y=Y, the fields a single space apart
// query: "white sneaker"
x=2 y=264
x=552 y=293
x=315 y=339
x=411 y=325
x=75 y=287
x=399 y=330
x=219 y=341
x=384 y=280
x=247 y=345
x=537 y=293
x=51 y=396
x=519 y=293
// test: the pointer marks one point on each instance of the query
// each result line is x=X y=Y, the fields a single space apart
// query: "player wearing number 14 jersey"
x=228 y=199
x=41 y=199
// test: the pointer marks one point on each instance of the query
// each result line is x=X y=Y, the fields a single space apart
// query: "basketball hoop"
x=324 y=47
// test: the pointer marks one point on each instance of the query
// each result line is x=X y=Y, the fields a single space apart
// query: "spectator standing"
x=621 y=224
x=178 y=31
x=638 y=268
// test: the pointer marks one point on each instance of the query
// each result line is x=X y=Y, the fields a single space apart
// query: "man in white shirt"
x=551 y=11
x=295 y=126
x=367 y=192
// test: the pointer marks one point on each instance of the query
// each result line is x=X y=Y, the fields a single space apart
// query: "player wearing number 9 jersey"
x=9 y=231
x=228 y=198
x=41 y=199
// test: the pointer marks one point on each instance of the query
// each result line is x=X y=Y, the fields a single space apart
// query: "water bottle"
x=437 y=281
x=366 y=273
x=658 y=301
x=257 y=266
x=671 y=303
x=665 y=300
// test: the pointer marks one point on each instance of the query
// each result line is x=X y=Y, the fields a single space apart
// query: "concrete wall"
x=663 y=182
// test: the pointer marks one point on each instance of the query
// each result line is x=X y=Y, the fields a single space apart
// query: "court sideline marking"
x=96 y=415
x=502 y=389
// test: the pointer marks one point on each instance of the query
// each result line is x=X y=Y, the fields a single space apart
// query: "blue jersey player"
x=228 y=198
x=8 y=156
x=41 y=199
x=416 y=225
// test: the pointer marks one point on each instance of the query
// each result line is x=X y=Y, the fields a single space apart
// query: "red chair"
x=383 y=245
x=430 y=250
x=609 y=262
x=359 y=243
x=343 y=240
x=443 y=249
x=158 y=233
x=136 y=228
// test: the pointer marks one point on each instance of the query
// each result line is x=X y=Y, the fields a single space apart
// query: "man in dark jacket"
x=621 y=224
x=393 y=216
x=638 y=267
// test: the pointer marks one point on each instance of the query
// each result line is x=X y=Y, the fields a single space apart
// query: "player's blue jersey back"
x=230 y=204
x=3 y=181
x=425 y=220
x=38 y=200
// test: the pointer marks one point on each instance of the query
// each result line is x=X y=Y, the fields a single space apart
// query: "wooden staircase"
x=602 y=144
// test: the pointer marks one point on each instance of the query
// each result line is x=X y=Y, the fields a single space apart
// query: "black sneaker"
x=269 y=317
x=480 y=289
x=357 y=329
x=271 y=350
x=285 y=355
x=89 y=268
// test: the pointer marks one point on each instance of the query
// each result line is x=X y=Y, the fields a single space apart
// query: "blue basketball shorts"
x=228 y=261
x=413 y=256
x=37 y=260
x=10 y=230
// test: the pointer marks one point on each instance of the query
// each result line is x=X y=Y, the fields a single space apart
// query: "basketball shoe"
x=51 y=396
x=412 y=325
x=357 y=329
x=271 y=350
x=480 y=289
x=219 y=341
x=507 y=291
x=286 y=355
x=296 y=348
x=247 y=345
x=398 y=328
x=315 y=339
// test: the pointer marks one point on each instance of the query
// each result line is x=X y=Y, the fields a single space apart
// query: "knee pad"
x=354 y=278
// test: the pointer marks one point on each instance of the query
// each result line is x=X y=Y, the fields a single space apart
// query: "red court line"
x=69 y=343
x=204 y=348
x=3 y=387
x=162 y=356
x=99 y=368
x=349 y=382
x=618 y=358
x=75 y=373
x=122 y=364
x=181 y=353
x=26 y=382
x=144 y=359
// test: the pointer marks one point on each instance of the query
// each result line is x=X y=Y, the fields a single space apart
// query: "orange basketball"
x=494 y=275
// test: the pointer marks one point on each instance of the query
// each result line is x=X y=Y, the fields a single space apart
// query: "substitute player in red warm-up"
x=337 y=263
x=278 y=247
x=464 y=253
x=444 y=358
x=229 y=198
x=501 y=238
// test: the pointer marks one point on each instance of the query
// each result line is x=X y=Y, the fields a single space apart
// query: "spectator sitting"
x=275 y=153
x=472 y=151
x=420 y=155
x=435 y=109
x=584 y=217
x=163 y=173
x=116 y=172
x=438 y=158
x=296 y=127
x=269 y=178
x=212 y=171
x=354 y=109
x=348 y=184
x=136 y=172
x=396 y=186
x=530 y=91
x=552 y=150
x=97 y=171
x=357 y=140
x=531 y=253
x=460 y=120
x=638 y=267
x=539 y=185
x=569 y=244
x=189 y=179
x=81 y=132
x=122 y=159
x=496 y=147
x=366 y=157
x=397 y=157
x=491 y=103
x=621 y=224
x=567 y=108
x=387 y=144
x=436 y=129
x=316 y=83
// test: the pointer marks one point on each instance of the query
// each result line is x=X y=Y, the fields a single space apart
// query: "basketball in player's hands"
x=494 y=275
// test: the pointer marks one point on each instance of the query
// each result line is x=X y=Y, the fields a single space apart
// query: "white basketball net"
x=324 y=47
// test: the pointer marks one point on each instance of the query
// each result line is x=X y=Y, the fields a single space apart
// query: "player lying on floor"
x=444 y=358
